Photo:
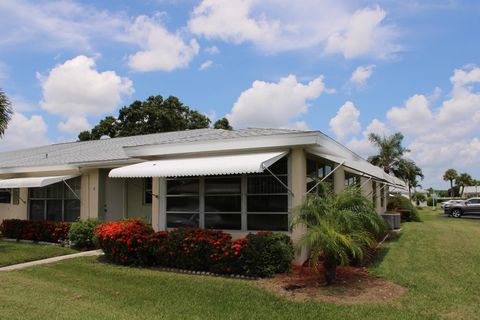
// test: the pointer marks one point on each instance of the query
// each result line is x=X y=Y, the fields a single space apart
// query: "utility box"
x=393 y=219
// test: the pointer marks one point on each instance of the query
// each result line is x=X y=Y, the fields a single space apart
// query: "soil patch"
x=353 y=286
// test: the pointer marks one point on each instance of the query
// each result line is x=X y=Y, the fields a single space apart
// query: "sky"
x=346 y=68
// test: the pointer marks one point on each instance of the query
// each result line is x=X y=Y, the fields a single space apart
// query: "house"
x=242 y=181
x=471 y=191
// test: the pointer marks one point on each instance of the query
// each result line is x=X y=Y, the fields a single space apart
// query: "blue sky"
x=343 y=67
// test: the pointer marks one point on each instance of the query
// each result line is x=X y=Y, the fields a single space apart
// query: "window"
x=147 y=191
x=56 y=202
x=5 y=195
x=317 y=170
x=183 y=203
x=374 y=194
x=352 y=179
x=248 y=202
x=382 y=196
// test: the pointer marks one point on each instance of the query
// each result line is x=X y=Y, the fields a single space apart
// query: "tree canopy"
x=450 y=175
x=153 y=115
x=390 y=151
x=5 y=112
x=408 y=171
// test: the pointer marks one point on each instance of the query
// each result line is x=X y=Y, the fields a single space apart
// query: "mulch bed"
x=353 y=286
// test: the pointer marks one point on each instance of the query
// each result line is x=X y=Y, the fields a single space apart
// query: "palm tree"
x=390 y=150
x=5 y=112
x=450 y=175
x=463 y=180
x=339 y=227
x=408 y=171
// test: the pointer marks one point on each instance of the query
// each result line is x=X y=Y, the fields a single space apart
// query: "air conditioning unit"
x=393 y=219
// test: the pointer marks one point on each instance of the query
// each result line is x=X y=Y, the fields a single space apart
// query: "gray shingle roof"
x=112 y=149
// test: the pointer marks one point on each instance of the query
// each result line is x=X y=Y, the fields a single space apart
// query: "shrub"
x=266 y=254
x=131 y=242
x=403 y=205
x=82 y=233
x=47 y=231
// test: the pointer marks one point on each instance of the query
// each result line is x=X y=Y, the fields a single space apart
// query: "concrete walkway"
x=51 y=260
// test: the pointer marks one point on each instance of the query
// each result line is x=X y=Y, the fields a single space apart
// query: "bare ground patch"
x=353 y=286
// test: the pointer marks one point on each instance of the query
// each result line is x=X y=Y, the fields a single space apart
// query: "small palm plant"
x=339 y=227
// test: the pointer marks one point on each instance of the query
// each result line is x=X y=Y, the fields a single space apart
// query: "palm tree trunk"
x=451 y=188
x=330 y=266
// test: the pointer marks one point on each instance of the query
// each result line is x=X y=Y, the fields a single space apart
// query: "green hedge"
x=403 y=205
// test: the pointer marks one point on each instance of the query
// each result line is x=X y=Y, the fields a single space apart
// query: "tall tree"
x=222 y=124
x=390 y=151
x=450 y=175
x=464 y=180
x=408 y=171
x=5 y=112
x=150 y=116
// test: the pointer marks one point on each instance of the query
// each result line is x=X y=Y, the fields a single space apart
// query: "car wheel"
x=456 y=213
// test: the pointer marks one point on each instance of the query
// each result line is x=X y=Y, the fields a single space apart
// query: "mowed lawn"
x=13 y=252
x=438 y=261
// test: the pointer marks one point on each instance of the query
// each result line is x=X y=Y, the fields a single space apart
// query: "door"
x=473 y=206
x=114 y=207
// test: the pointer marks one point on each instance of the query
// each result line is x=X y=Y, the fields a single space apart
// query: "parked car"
x=469 y=206
x=448 y=203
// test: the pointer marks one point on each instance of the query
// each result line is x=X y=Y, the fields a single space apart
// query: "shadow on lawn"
x=381 y=252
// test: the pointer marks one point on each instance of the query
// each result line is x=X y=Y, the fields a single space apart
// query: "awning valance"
x=200 y=166
x=33 y=182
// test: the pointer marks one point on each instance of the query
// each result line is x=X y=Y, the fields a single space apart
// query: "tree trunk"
x=451 y=188
x=330 y=266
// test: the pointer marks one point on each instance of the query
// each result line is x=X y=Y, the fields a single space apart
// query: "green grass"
x=438 y=261
x=14 y=252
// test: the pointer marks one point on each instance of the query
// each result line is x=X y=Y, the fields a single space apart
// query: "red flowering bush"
x=48 y=231
x=126 y=241
x=132 y=242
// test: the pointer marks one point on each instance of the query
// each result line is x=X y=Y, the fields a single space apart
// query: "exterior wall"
x=15 y=211
x=135 y=202
x=89 y=194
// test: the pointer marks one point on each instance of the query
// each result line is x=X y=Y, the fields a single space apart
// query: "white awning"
x=363 y=167
x=200 y=166
x=33 y=182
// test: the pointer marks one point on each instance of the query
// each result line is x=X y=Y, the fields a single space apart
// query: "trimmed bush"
x=132 y=242
x=403 y=205
x=266 y=254
x=82 y=233
x=47 y=231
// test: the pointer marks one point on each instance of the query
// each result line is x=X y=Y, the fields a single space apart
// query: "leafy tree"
x=463 y=180
x=408 y=171
x=418 y=197
x=339 y=227
x=222 y=124
x=150 y=116
x=450 y=175
x=5 y=112
x=390 y=151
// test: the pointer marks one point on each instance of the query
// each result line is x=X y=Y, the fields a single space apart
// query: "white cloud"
x=268 y=104
x=24 y=132
x=212 y=50
x=363 y=146
x=414 y=118
x=75 y=89
x=361 y=74
x=74 y=125
x=363 y=36
x=57 y=24
x=275 y=26
x=161 y=50
x=346 y=121
x=206 y=65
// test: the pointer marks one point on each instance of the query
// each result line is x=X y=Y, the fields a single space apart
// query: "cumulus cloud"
x=161 y=50
x=278 y=26
x=206 y=65
x=75 y=90
x=346 y=121
x=275 y=104
x=361 y=74
x=439 y=134
x=24 y=132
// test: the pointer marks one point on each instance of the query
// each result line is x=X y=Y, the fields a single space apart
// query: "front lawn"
x=437 y=261
x=15 y=252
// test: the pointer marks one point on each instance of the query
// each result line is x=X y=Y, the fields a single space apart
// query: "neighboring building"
x=240 y=181
x=471 y=191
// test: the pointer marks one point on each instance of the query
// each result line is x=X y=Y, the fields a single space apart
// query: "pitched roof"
x=112 y=149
